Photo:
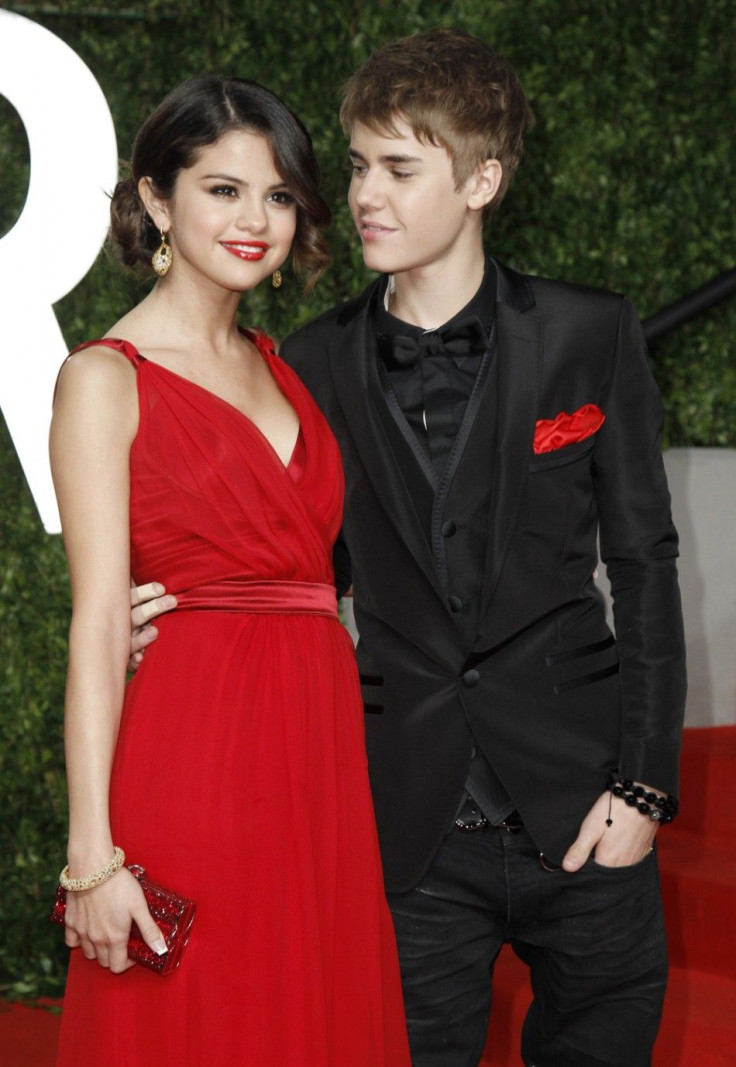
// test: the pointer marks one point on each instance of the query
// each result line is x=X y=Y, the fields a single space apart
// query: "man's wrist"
x=659 y=807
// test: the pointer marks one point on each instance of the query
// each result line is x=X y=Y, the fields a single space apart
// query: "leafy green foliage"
x=34 y=605
x=626 y=183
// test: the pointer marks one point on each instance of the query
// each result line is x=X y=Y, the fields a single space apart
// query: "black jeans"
x=594 y=942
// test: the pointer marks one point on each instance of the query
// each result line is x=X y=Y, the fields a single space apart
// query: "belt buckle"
x=471 y=827
x=473 y=821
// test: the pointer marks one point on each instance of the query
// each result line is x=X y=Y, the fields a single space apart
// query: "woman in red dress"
x=232 y=766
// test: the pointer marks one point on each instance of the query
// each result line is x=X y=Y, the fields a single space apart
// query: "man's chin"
x=382 y=263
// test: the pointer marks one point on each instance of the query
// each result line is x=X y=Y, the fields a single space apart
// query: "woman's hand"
x=98 y=921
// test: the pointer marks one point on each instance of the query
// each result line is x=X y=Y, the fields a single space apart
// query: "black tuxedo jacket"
x=540 y=683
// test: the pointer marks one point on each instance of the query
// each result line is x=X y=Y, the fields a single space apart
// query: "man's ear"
x=156 y=206
x=484 y=184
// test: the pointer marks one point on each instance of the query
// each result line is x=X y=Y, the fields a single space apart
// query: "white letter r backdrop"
x=58 y=234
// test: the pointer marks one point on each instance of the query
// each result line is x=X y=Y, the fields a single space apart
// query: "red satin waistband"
x=262 y=598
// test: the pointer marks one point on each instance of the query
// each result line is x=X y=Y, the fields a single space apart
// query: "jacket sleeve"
x=639 y=547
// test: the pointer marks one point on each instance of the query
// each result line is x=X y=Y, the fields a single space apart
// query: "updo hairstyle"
x=196 y=114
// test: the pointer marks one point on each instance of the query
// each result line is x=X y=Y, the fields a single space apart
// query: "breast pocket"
x=562 y=456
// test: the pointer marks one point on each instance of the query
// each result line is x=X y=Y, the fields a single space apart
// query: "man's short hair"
x=453 y=91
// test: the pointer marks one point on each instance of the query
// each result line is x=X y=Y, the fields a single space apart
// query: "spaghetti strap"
x=124 y=347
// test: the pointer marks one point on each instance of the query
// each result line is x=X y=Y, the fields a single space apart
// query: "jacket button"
x=448 y=528
x=471 y=678
x=455 y=603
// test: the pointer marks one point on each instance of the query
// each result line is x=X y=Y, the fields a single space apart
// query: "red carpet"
x=699 y=884
x=28 y=1034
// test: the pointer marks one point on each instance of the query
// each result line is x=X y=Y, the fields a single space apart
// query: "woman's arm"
x=93 y=426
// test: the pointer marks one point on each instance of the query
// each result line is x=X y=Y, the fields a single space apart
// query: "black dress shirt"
x=434 y=393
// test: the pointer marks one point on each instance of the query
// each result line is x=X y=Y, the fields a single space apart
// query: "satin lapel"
x=519 y=380
x=359 y=392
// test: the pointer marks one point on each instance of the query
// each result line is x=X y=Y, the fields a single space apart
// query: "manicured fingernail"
x=159 y=947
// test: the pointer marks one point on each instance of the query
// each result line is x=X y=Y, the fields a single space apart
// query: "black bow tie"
x=464 y=338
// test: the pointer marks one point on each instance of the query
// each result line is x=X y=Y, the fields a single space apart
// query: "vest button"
x=471 y=678
x=455 y=603
x=448 y=528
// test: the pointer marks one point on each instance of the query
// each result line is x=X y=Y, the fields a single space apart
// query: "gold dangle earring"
x=162 y=258
x=277 y=279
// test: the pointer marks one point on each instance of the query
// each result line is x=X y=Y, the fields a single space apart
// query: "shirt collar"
x=482 y=305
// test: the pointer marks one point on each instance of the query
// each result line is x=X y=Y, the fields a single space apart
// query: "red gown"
x=240 y=774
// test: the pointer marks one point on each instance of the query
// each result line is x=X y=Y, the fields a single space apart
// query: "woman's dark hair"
x=196 y=114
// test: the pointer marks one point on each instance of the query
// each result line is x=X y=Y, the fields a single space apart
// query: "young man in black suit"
x=493 y=426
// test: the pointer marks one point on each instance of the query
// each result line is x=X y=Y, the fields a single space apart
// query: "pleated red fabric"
x=240 y=775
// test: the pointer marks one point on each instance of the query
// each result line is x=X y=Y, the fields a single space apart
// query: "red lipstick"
x=248 y=250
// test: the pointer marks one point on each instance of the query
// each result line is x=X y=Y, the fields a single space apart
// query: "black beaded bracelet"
x=661 y=809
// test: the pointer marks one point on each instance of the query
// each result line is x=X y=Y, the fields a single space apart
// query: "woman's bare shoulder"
x=96 y=368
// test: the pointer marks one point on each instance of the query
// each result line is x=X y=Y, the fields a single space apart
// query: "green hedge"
x=626 y=183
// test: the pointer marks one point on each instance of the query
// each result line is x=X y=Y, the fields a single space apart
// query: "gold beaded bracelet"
x=78 y=885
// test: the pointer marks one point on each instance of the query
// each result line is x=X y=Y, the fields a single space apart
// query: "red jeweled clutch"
x=172 y=913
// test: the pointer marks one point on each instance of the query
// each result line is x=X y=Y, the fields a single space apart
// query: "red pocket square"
x=565 y=429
